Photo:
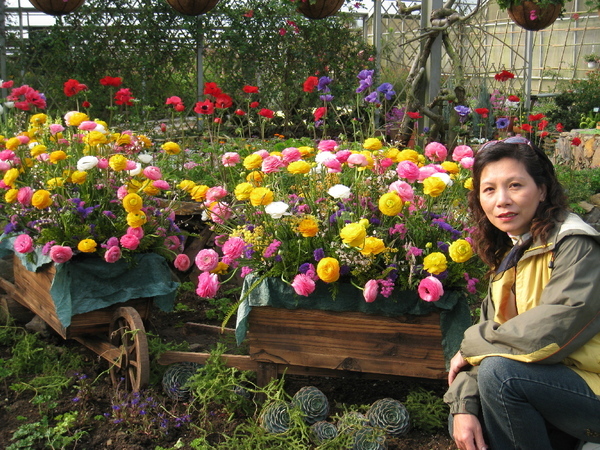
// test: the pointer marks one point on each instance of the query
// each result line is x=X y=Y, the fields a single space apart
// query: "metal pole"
x=199 y=69
x=377 y=33
x=3 y=42
x=528 y=67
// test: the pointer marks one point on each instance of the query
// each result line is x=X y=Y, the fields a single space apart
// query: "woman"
x=527 y=375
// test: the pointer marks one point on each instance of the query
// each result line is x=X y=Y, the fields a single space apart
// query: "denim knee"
x=492 y=373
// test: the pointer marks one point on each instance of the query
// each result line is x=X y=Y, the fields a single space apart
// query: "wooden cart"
x=116 y=333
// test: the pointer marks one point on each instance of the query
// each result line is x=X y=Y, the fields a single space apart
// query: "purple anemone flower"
x=502 y=122
x=323 y=85
x=373 y=97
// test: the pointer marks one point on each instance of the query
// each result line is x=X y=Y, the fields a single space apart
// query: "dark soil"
x=99 y=398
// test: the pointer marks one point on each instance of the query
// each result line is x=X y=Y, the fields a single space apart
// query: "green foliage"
x=579 y=184
x=577 y=97
x=64 y=434
x=156 y=347
x=428 y=412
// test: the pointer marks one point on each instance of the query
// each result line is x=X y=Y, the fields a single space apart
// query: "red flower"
x=414 y=115
x=249 y=13
x=310 y=84
x=111 y=81
x=212 y=89
x=320 y=112
x=560 y=127
x=223 y=101
x=250 y=89
x=576 y=141
x=218 y=120
x=205 y=107
x=124 y=97
x=7 y=84
x=254 y=104
x=513 y=98
x=282 y=32
x=73 y=87
x=504 y=76
x=239 y=112
x=179 y=107
x=483 y=112
x=266 y=113
x=526 y=127
x=542 y=125
x=534 y=117
x=543 y=134
x=173 y=100
x=86 y=104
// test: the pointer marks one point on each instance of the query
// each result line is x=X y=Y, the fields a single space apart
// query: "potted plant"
x=319 y=9
x=192 y=7
x=56 y=7
x=533 y=15
x=592 y=60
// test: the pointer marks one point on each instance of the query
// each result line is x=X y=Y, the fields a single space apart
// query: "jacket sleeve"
x=463 y=394
x=567 y=316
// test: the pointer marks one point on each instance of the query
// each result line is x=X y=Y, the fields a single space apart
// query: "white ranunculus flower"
x=277 y=210
x=146 y=158
x=87 y=163
x=100 y=128
x=1 y=109
x=9 y=105
x=339 y=191
x=445 y=178
x=136 y=171
x=321 y=157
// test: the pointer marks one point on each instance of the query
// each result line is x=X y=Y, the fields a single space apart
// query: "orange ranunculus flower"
x=328 y=270
x=132 y=203
x=261 y=196
x=308 y=227
x=41 y=199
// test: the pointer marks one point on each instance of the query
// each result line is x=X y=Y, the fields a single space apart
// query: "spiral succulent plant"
x=175 y=378
x=390 y=415
x=368 y=438
x=322 y=431
x=313 y=403
x=275 y=417
x=352 y=420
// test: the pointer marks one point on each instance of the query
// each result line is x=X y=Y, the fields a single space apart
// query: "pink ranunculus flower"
x=23 y=243
x=208 y=285
x=429 y=170
x=152 y=173
x=214 y=194
x=207 y=259
x=56 y=128
x=130 y=165
x=4 y=166
x=230 y=159
x=23 y=139
x=129 y=241
x=371 y=290
x=88 y=125
x=161 y=184
x=262 y=153
x=430 y=289
x=172 y=243
x=357 y=159
x=61 y=253
x=436 y=151
x=386 y=162
x=113 y=254
x=404 y=190
x=408 y=170
x=467 y=162
x=342 y=155
x=291 y=154
x=303 y=284
x=272 y=164
x=245 y=271
x=182 y=262
x=24 y=195
x=328 y=145
x=220 y=212
x=7 y=155
x=138 y=232
x=233 y=248
x=102 y=163
x=461 y=151
x=122 y=192
x=333 y=165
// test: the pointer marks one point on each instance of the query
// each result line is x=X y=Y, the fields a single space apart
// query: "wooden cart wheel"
x=127 y=334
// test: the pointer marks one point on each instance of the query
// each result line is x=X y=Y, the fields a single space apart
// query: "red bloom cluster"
x=266 y=113
x=176 y=102
x=310 y=84
x=111 y=81
x=124 y=97
x=483 y=112
x=504 y=75
x=219 y=99
x=25 y=97
x=250 y=89
x=320 y=112
x=73 y=87
x=414 y=115
x=576 y=141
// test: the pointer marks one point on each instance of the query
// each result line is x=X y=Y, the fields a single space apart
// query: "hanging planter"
x=192 y=7
x=319 y=9
x=56 y=7
x=532 y=16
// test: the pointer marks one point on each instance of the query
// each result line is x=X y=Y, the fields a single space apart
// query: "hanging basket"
x=192 y=7
x=531 y=16
x=320 y=9
x=56 y=7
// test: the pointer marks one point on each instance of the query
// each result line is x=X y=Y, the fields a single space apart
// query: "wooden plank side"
x=406 y=346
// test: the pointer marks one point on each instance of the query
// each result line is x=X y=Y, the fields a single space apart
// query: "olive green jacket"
x=546 y=310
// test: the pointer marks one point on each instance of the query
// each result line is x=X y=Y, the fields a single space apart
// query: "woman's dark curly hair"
x=490 y=242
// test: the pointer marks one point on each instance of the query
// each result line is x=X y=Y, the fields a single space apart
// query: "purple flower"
x=373 y=97
x=326 y=98
x=502 y=122
x=323 y=85
x=364 y=85
x=364 y=74
x=387 y=90
x=462 y=110
x=319 y=254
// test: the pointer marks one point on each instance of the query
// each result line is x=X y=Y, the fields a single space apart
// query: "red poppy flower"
x=310 y=84
x=560 y=127
x=414 y=115
x=205 y=107
x=250 y=89
x=543 y=134
x=111 y=81
x=266 y=113
x=179 y=107
x=239 y=112
x=504 y=75
x=124 y=97
x=542 y=125
x=320 y=112
x=25 y=97
x=513 y=98
x=173 y=100
x=254 y=105
x=535 y=117
x=576 y=141
x=86 y=104
x=7 y=84
x=526 y=127
x=483 y=112
x=73 y=87
x=223 y=101
x=212 y=89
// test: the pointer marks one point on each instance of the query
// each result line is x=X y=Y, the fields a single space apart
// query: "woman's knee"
x=492 y=372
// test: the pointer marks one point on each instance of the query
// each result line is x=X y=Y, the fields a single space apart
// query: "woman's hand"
x=456 y=364
x=468 y=434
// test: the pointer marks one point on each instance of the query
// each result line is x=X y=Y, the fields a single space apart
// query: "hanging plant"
x=533 y=15
x=319 y=9
x=192 y=7
x=56 y=7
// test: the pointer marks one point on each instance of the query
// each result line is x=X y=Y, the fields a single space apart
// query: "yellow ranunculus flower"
x=171 y=148
x=79 y=176
x=55 y=182
x=38 y=150
x=11 y=195
x=101 y=122
x=28 y=162
x=242 y=191
x=390 y=204
x=305 y=151
x=132 y=203
x=134 y=186
x=433 y=186
x=117 y=163
x=10 y=176
x=144 y=140
x=38 y=119
x=353 y=234
x=252 y=161
x=198 y=193
x=136 y=219
x=308 y=227
x=123 y=139
x=451 y=167
x=392 y=153
x=435 y=263
x=328 y=270
x=298 y=167
x=221 y=268
x=261 y=196
x=41 y=199
x=373 y=246
x=468 y=183
x=408 y=155
x=94 y=138
x=460 y=251
x=255 y=177
x=372 y=144
x=74 y=119
x=186 y=185
x=87 y=246
x=56 y=156
x=151 y=190
x=12 y=143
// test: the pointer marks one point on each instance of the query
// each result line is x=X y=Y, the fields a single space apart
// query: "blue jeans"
x=521 y=402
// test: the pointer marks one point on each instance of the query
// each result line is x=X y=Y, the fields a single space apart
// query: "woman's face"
x=509 y=196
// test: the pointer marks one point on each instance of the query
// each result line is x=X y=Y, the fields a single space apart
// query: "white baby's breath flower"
x=87 y=163
x=339 y=191
x=277 y=210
